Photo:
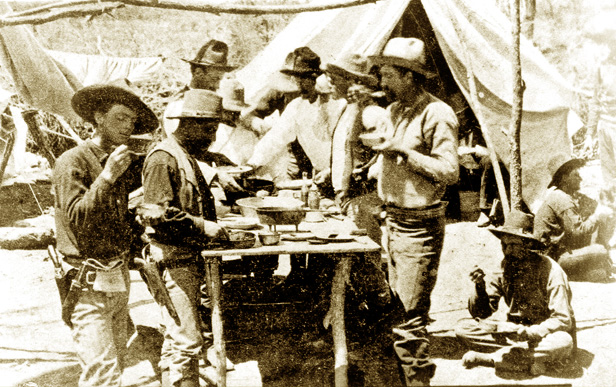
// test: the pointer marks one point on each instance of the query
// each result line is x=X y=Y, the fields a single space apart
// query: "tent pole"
x=470 y=75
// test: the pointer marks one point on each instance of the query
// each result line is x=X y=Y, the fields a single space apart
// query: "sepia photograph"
x=273 y=193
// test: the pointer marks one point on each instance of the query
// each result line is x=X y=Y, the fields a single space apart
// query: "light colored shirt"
x=312 y=124
x=428 y=127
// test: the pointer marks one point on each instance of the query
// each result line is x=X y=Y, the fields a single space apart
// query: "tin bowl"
x=269 y=238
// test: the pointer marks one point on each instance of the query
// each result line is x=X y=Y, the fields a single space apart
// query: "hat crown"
x=200 y=103
x=409 y=49
x=354 y=63
x=214 y=52
x=519 y=222
x=302 y=61
x=232 y=93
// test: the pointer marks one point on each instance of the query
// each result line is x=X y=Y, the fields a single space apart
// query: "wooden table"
x=362 y=244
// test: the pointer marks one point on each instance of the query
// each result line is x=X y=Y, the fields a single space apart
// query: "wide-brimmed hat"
x=232 y=92
x=354 y=67
x=200 y=103
x=565 y=170
x=302 y=62
x=518 y=224
x=214 y=54
x=85 y=102
x=409 y=53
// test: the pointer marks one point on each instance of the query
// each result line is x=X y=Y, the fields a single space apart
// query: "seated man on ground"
x=540 y=329
x=574 y=227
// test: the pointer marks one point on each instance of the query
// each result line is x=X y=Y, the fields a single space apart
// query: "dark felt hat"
x=518 y=224
x=86 y=100
x=214 y=54
x=302 y=62
x=565 y=170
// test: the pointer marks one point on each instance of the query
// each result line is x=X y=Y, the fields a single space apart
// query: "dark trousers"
x=414 y=243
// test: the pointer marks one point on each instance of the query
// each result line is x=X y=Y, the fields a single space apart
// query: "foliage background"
x=576 y=36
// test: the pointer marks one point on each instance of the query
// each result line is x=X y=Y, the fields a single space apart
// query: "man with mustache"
x=180 y=212
x=418 y=159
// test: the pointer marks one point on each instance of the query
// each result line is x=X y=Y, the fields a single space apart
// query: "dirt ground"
x=283 y=345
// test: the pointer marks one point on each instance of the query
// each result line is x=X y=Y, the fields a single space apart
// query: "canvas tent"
x=455 y=32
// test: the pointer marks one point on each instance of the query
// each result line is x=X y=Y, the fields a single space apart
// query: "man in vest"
x=179 y=209
x=93 y=227
x=207 y=69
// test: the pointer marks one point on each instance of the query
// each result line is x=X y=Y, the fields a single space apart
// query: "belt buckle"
x=90 y=277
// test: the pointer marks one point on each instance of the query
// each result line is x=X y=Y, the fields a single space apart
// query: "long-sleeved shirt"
x=563 y=222
x=348 y=153
x=92 y=218
x=428 y=130
x=536 y=291
x=312 y=124
x=172 y=178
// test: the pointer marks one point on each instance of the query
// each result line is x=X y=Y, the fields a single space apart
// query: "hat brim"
x=86 y=100
x=381 y=60
x=366 y=79
x=196 y=115
x=234 y=106
x=210 y=65
x=535 y=243
x=302 y=74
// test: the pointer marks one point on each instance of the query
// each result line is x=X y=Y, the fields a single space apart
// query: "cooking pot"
x=273 y=216
x=251 y=187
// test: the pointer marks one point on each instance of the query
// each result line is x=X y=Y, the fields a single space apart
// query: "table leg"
x=341 y=277
x=214 y=276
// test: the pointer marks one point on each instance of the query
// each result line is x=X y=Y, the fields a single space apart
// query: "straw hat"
x=232 y=93
x=409 y=53
x=212 y=54
x=86 y=100
x=518 y=224
x=200 y=103
x=302 y=62
x=354 y=67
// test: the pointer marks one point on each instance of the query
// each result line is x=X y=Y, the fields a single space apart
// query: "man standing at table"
x=418 y=160
x=179 y=207
x=207 y=70
x=93 y=226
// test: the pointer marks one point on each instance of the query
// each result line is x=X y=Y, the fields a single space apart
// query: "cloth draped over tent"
x=457 y=26
x=91 y=69
x=39 y=80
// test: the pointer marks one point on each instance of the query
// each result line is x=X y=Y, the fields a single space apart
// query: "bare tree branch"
x=65 y=10
x=54 y=11
x=515 y=166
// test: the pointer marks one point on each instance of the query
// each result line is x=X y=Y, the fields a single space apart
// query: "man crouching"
x=180 y=212
x=540 y=327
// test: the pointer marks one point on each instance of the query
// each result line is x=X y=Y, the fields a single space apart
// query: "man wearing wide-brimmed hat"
x=309 y=119
x=355 y=194
x=180 y=212
x=208 y=68
x=418 y=159
x=575 y=228
x=540 y=329
x=93 y=226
